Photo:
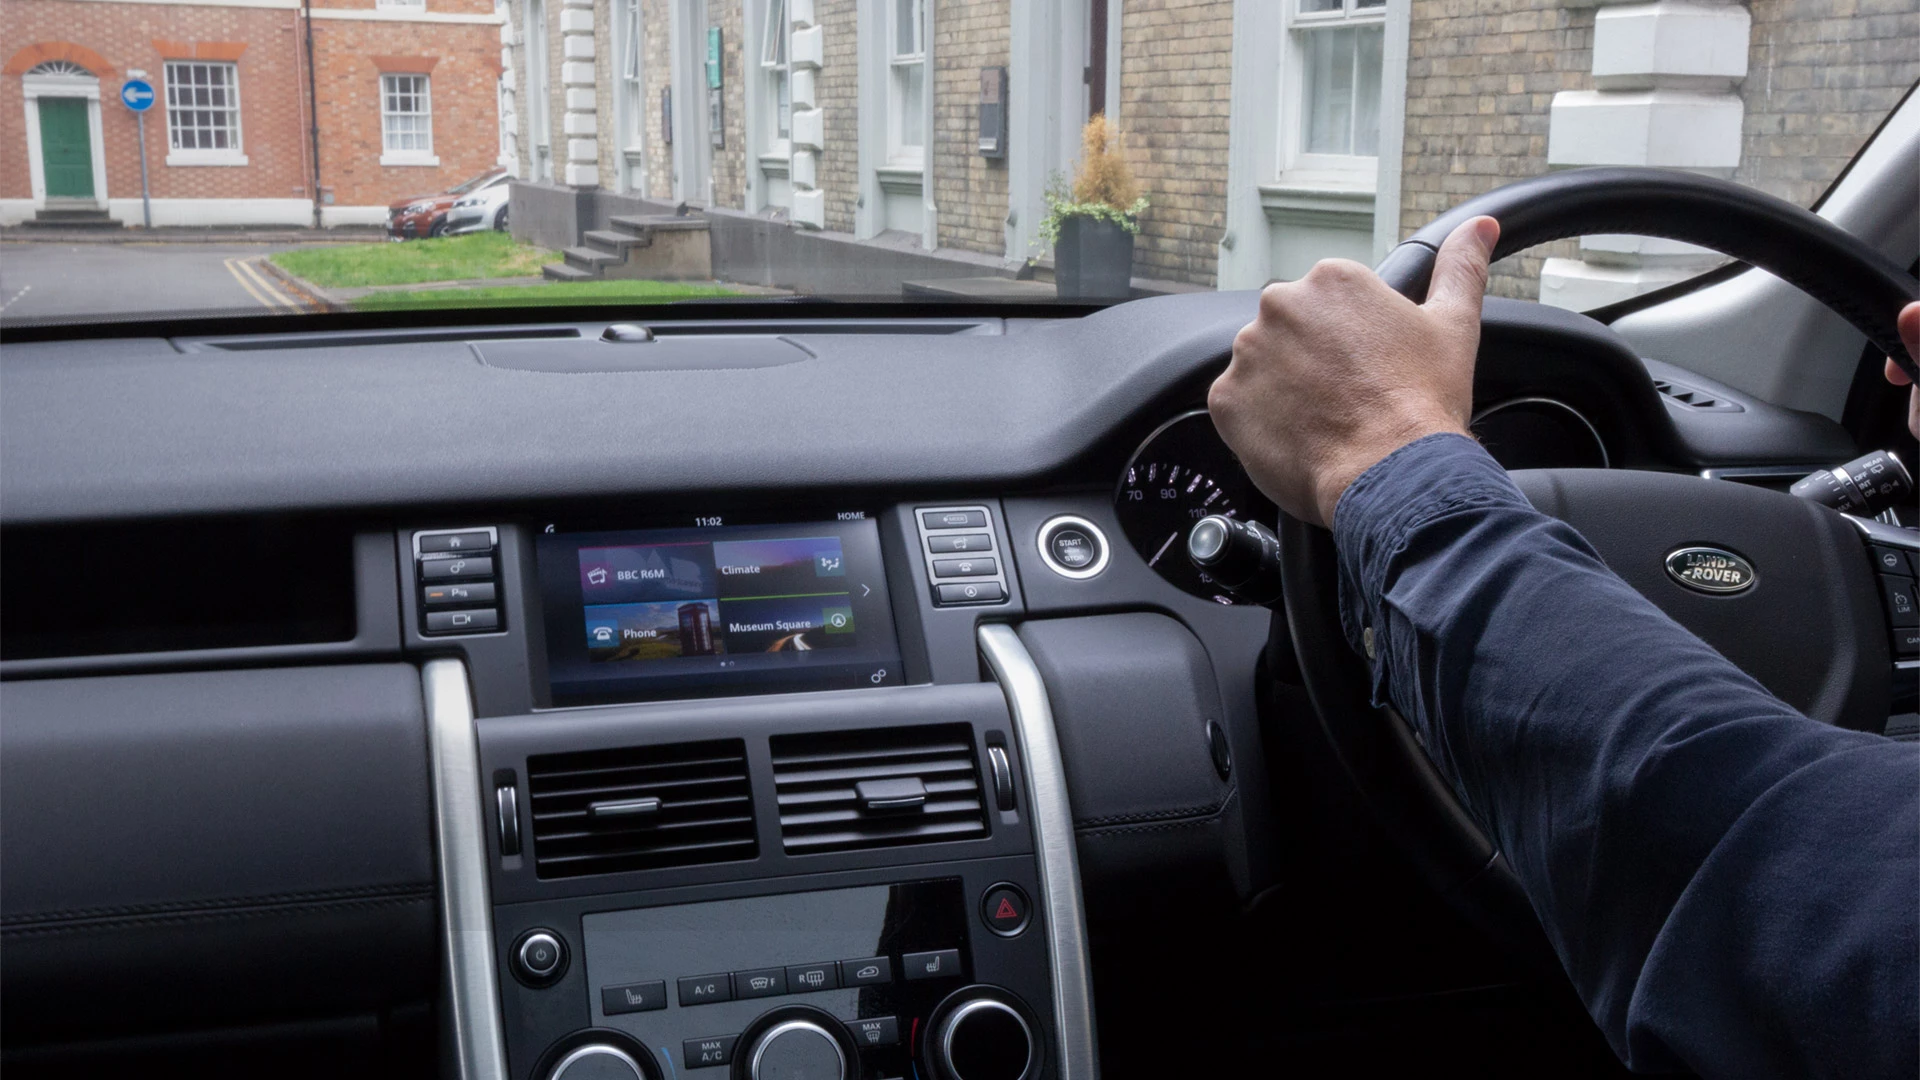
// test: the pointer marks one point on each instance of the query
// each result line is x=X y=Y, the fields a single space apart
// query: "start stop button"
x=1073 y=547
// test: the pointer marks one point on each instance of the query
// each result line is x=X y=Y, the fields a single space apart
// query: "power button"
x=539 y=958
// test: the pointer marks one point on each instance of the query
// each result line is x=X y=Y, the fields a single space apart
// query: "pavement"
x=58 y=282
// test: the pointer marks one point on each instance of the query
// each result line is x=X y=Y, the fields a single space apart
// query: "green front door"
x=66 y=148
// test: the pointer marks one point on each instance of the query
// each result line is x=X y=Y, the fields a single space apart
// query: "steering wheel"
x=1809 y=628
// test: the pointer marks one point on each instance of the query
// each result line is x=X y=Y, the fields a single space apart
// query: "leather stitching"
x=230 y=908
x=1156 y=815
x=1165 y=826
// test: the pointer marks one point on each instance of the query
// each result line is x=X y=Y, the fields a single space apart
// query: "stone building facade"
x=1267 y=133
x=244 y=154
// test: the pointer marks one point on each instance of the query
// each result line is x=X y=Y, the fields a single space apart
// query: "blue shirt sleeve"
x=1730 y=885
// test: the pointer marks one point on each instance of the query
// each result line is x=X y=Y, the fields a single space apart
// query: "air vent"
x=1693 y=397
x=860 y=789
x=640 y=808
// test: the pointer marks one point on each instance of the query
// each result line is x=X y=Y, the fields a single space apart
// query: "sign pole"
x=137 y=95
x=146 y=203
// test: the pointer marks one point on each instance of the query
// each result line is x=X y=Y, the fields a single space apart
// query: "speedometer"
x=1182 y=473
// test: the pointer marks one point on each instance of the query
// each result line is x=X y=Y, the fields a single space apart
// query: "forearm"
x=1629 y=773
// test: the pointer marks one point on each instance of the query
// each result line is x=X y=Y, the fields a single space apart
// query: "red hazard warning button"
x=1004 y=909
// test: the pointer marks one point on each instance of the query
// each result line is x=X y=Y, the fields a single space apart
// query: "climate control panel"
x=940 y=978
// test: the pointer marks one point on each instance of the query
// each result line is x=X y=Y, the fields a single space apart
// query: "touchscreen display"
x=701 y=612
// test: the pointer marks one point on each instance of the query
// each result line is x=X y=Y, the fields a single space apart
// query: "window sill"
x=191 y=159
x=410 y=157
x=1326 y=199
x=901 y=179
x=777 y=163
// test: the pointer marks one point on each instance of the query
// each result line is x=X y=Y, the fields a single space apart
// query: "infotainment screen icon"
x=735 y=609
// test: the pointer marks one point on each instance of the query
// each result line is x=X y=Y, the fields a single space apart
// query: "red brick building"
x=407 y=95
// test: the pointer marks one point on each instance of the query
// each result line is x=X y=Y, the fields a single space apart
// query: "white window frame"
x=900 y=154
x=232 y=154
x=776 y=71
x=412 y=156
x=1356 y=172
x=401 y=5
x=539 y=103
x=630 y=94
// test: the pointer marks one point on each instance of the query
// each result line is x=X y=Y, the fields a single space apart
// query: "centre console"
x=733 y=822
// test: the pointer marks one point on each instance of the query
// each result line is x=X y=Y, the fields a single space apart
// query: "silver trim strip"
x=1019 y=679
x=466 y=909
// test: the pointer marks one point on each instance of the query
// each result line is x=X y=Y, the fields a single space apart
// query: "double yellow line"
x=260 y=287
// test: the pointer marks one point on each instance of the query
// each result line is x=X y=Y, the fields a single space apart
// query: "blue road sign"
x=136 y=94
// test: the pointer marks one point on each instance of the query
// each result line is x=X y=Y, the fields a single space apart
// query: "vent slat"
x=815 y=778
x=706 y=808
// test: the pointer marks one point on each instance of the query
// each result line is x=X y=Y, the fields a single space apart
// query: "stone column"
x=509 y=95
x=580 y=125
x=806 y=50
x=1665 y=76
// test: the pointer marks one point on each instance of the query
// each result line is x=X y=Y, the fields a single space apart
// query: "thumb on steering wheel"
x=1460 y=271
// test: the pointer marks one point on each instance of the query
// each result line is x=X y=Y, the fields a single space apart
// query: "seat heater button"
x=705 y=989
x=459 y=567
x=954 y=519
x=873 y=971
x=633 y=997
x=878 y=1031
x=947 y=545
x=939 y=964
x=1901 y=609
x=969 y=592
x=706 y=1053
x=979 y=566
x=462 y=622
x=456 y=541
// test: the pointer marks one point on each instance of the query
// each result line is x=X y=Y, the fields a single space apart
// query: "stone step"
x=564 y=272
x=614 y=241
x=71 y=219
x=648 y=224
x=592 y=259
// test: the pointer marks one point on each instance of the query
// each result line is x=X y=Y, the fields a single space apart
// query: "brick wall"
x=658 y=75
x=970 y=191
x=465 y=67
x=1480 y=79
x=1821 y=75
x=838 y=92
x=1175 y=79
x=124 y=36
x=729 y=160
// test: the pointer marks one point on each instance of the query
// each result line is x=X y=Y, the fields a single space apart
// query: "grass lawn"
x=551 y=293
x=448 y=258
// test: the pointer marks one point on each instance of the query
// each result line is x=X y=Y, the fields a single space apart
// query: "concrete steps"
x=623 y=250
x=54 y=217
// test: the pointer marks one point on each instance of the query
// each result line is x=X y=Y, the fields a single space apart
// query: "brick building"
x=1267 y=133
x=407 y=97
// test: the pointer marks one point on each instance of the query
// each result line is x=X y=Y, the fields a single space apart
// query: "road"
x=54 y=281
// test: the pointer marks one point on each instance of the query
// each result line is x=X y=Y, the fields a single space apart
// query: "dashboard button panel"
x=634 y=997
x=956 y=542
x=459 y=593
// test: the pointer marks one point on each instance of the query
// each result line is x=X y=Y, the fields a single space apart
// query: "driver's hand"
x=1909 y=336
x=1338 y=371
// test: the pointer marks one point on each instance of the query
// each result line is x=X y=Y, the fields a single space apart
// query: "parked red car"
x=426 y=215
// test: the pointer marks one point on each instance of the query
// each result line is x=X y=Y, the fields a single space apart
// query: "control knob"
x=1241 y=557
x=1863 y=487
x=981 y=1033
x=600 y=1061
x=795 y=1043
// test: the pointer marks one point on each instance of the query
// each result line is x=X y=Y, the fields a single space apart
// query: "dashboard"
x=850 y=713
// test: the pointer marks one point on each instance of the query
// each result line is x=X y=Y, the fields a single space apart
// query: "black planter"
x=1093 y=260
